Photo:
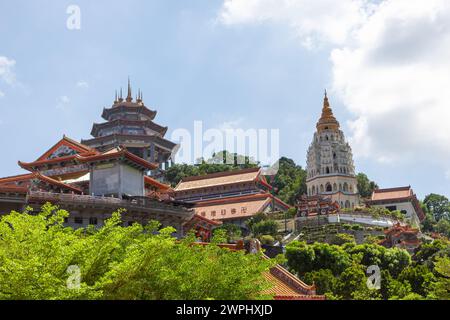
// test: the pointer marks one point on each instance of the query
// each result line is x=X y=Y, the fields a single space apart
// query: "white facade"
x=330 y=168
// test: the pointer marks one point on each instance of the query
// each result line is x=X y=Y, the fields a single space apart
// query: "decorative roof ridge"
x=19 y=177
x=40 y=176
x=392 y=189
x=220 y=174
x=153 y=181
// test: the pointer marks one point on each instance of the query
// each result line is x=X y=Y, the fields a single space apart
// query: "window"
x=78 y=220
x=233 y=211
x=93 y=220
x=213 y=213
x=203 y=213
x=66 y=220
x=223 y=212
x=243 y=209
x=391 y=208
x=404 y=212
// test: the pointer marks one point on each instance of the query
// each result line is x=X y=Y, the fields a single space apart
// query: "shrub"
x=267 y=239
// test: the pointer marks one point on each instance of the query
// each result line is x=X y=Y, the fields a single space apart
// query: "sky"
x=260 y=64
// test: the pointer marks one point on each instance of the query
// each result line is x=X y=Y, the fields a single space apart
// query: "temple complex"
x=93 y=182
x=231 y=196
x=129 y=123
x=330 y=168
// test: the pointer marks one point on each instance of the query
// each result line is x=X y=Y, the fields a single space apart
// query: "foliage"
x=441 y=288
x=232 y=231
x=267 y=239
x=365 y=186
x=342 y=238
x=438 y=205
x=339 y=271
x=117 y=262
x=325 y=281
x=264 y=227
x=290 y=181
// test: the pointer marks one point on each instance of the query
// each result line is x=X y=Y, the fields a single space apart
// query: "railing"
x=141 y=203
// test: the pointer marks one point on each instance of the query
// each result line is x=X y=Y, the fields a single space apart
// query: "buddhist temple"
x=129 y=123
x=91 y=184
x=403 y=237
x=400 y=198
x=231 y=196
x=330 y=168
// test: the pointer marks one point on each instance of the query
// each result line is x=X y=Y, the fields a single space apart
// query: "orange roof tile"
x=217 y=179
x=392 y=193
x=153 y=182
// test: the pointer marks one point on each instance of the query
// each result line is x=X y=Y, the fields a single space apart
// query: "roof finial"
x=120 y=96
x=115 y=98
x=129 y=97
x=326 y=104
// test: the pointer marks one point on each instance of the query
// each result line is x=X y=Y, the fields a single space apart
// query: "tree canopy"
x=39 y=258
x=365 y=185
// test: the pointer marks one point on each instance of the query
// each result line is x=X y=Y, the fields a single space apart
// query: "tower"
x=129 y=123
x=329 y=164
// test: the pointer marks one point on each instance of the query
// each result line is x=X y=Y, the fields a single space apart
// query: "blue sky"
x=193 y=60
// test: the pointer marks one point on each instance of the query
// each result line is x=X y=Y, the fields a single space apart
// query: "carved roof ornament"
x=327 y=120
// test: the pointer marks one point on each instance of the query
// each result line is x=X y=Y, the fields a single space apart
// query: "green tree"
x=325 y=281
x=264 y=227
x=290 y=181
x=365 y=186
x=419 y=277
x=443 y=227
x=438 y=205
x=232 y=231
x=117 y=262
x=441 y=288
x=352 y=280
x=341 y=238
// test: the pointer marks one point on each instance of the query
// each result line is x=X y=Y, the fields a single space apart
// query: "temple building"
x=129 y=123
x=330 y=168
x=231 y=196
x=91 y=185
x=402 y=199
x=403 y=237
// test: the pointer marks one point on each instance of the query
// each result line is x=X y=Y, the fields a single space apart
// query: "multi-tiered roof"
x=129 y=123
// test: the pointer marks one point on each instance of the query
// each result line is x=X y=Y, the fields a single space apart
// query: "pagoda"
x=129 y=123
x=330 y=168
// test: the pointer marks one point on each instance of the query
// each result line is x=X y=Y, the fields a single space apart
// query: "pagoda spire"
x=129 y=97
x=120 y=96
x=327 y=120
x=115 y=98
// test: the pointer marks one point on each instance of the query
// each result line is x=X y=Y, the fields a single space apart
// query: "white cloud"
x=62 y=103
x=394 y=78
x=82 y=84
x=314 y=22
x=390 y=67
x=7 y=70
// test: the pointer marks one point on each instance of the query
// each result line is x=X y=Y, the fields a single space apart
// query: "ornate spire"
x=327 y=120
x=120 y=96
x=115 y=98
x=139 y=97
x=129 y=97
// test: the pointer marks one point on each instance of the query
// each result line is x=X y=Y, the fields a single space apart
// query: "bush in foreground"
x=115 y=262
